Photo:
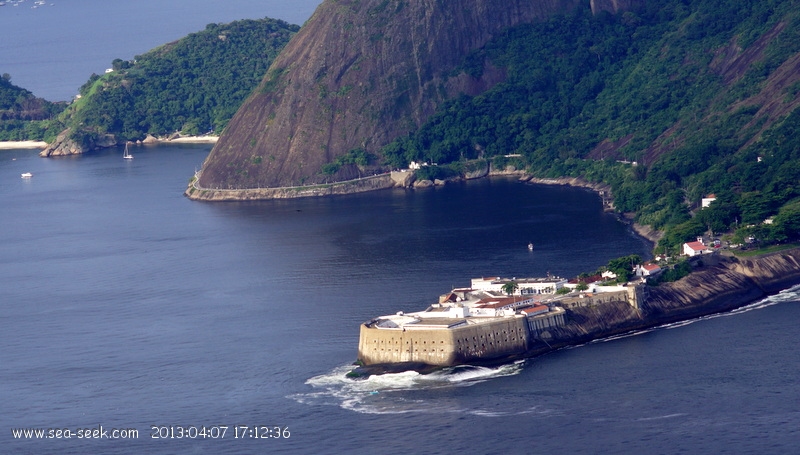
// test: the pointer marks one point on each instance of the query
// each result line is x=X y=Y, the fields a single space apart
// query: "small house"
x=695 y=249
x=646 y=270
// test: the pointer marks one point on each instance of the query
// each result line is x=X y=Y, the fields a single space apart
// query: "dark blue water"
x=126 y=305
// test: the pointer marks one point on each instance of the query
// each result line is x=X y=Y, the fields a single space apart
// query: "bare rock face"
x=62 y=146
x=359 y=74
x=65 y=145
x=612 y=6
x=403 y=179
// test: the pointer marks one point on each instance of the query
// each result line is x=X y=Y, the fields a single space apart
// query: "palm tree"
x=510 y=287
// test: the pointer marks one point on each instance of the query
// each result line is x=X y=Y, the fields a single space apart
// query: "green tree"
x=510 y=288
x=786 y=225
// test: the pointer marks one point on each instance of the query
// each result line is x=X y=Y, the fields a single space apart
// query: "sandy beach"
x=22 y=145
x=12 y=145
x=192 y=139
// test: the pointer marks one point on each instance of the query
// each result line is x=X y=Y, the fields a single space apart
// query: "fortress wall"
x=598 y=299
x=429 y=346
x=443 y=347
x=502 y=338
x=543 y=322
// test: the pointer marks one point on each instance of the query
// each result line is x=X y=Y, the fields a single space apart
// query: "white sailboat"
x=127 y=155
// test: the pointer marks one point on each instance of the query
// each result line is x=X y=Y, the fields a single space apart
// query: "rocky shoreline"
x=407 y=179
x=366 y=184
x=604 y=190
x=393 y=179
x=65 y=145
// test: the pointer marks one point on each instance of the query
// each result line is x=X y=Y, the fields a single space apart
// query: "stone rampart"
x=502 y=337
x=592 y=299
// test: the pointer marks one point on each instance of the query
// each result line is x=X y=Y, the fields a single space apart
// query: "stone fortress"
x=480 y=323
x=488 y=324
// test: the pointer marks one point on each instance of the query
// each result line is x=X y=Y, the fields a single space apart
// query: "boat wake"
x=397 y=393
x=412 y=392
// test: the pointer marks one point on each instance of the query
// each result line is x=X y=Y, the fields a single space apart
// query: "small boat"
x=27 y=175
x=530 y=247
x=127 y=155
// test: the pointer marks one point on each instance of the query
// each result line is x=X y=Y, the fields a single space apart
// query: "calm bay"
x=124 y=304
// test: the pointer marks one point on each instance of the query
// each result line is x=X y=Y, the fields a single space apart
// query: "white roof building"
x=695 y=249
x=608 y=274
x=525 y=286
x=646 y=270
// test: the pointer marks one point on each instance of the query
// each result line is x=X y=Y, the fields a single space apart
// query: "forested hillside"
x=193 y=85
x=667 y=103
x=22 y=115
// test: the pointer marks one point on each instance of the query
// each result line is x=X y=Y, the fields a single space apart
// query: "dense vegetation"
x=660 y=103
x=193 y=85
x=24 y=116
x=647 y=102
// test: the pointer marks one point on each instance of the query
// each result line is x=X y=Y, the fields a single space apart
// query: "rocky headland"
x=717 y=284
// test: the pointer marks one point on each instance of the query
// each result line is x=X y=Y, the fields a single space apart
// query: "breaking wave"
x=412 y=392
x=397 y=393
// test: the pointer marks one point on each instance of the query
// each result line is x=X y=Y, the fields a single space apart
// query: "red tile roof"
x=536 y=309
x=697 y=246
x=587 y=280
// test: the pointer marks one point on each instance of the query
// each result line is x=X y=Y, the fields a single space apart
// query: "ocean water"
x=125 y=305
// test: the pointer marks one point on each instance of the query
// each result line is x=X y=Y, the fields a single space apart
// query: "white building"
x=695 y=249
x=646 y=270
x=706 y=201
x=525 y=286
x=609 y=275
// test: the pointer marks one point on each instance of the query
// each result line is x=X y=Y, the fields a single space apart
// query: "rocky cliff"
x=68 y=143
x=357 y=75
x=719 y=285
